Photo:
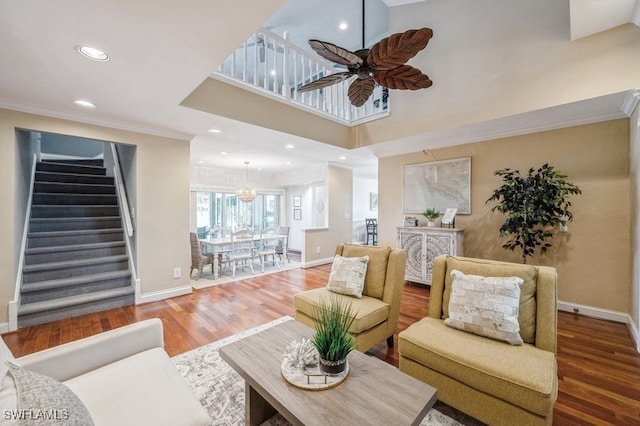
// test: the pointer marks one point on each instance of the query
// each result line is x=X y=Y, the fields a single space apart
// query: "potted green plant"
x=534 y=205
x=332 y=339
x=431 y=214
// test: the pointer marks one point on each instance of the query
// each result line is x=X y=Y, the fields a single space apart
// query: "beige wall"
x=593 y=258
x=162 y=215
x=482 y=69
x=340 y=193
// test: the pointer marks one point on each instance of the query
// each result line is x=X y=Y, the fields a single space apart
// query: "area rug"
x=221 y=390
x=206 y=279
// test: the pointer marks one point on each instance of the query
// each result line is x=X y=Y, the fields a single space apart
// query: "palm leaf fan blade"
x=360 y=90
x=397 y=49
x=404 y=77
x=326 y=81
x=335 y=53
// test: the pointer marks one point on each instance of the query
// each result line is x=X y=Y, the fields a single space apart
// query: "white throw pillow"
x=487 y=306
x=347 y=275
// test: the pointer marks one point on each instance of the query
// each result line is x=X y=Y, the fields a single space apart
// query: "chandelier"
x=246 y=194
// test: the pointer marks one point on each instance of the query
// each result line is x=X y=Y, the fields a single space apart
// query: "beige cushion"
x=376 y=269
x=486 y=306
x=143 y=389
x=369 y=311
x=41 y=395
x=521 y=375
x=528 y=273
x=347 y=275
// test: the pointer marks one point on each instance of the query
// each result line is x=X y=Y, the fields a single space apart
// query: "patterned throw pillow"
x=45 y=401
x=487 y=306
x=347 y=275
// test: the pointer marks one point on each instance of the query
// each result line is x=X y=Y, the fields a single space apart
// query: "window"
x=223 y=209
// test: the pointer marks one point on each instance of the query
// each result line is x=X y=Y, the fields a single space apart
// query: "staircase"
x=76 y=260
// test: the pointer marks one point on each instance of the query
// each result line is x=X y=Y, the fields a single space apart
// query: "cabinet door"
x=436 y=245
x=413 y=242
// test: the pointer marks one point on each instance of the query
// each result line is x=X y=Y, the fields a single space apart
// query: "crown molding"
x=97 y=121
x=631 y=102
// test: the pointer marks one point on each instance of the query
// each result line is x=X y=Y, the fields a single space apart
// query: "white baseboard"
x=592 y=311
x=635 y=334
x=164 y=294
x=4 y=327
x=316 y=262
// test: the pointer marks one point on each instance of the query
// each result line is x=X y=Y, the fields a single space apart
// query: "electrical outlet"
x=318 y=250
x=177 y=272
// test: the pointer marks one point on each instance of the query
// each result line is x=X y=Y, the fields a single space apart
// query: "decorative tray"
x=311 y=378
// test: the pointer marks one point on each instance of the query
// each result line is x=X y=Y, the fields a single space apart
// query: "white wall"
x=634 y=175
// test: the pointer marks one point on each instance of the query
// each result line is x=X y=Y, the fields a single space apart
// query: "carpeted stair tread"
x=68 y=282
x=70 y=301
x=73 y=188
x=46 y=176
x=73 y=263
x=49 y=234
x=73 y=219
x=73 y=247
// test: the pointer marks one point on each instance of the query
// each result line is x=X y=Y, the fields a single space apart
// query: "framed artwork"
x=297 y=201
x=373 y=201
x=437 y=184
x=297 y=214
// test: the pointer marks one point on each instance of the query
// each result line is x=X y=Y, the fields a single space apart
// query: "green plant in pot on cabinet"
x=431 y=214
x=333 y=341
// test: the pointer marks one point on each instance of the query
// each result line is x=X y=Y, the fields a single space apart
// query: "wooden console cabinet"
x=423 y=245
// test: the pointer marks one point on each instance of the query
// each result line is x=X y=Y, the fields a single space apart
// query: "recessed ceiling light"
x=224 y=153
x=93 y=53
x=273 y=72
x=289 y=146
x=342 y=157
x=200 y=162
x=216 y=131
x=343 y=26
x=288 y=163
x=83 y=103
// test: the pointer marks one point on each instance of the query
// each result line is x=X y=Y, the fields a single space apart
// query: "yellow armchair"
x=378 y=310
x=492 y=381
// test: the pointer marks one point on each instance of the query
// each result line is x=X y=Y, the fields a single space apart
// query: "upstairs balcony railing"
x=273 y=66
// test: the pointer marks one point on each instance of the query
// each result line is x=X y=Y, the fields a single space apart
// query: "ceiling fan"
x=384 y=63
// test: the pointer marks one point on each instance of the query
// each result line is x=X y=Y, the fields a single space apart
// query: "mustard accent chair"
x=495 y=382
x=378 y=310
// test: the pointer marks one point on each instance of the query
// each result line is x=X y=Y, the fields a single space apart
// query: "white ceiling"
x=161 y=51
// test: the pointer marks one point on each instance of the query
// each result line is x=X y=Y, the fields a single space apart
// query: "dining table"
x=218 y=245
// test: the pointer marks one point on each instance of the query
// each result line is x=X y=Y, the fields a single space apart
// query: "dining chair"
x=268 y=244
x=372 y=231
x=242 y=250
x=283 y=242
x=198 y=259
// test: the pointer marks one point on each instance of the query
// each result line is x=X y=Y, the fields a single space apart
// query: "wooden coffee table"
x=373 y=393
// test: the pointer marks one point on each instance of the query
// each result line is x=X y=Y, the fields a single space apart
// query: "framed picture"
x=437 y=184
x=297 y=214
x=373 y=201
x=297 y=201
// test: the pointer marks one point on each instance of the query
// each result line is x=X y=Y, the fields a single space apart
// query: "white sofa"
x=122 y=376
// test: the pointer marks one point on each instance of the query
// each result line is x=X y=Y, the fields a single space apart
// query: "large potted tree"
x=534 y=204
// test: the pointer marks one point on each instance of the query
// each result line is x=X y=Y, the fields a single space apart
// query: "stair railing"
x=272 y=66
x=125 y=213
x=15 y=303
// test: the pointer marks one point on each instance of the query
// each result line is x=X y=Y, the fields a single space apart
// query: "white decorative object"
x=423 y=244
x=300 y=354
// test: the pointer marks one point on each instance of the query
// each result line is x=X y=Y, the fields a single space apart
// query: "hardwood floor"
x=598 y=367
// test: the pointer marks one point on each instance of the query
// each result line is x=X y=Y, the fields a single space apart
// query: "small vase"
x=332 y=367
